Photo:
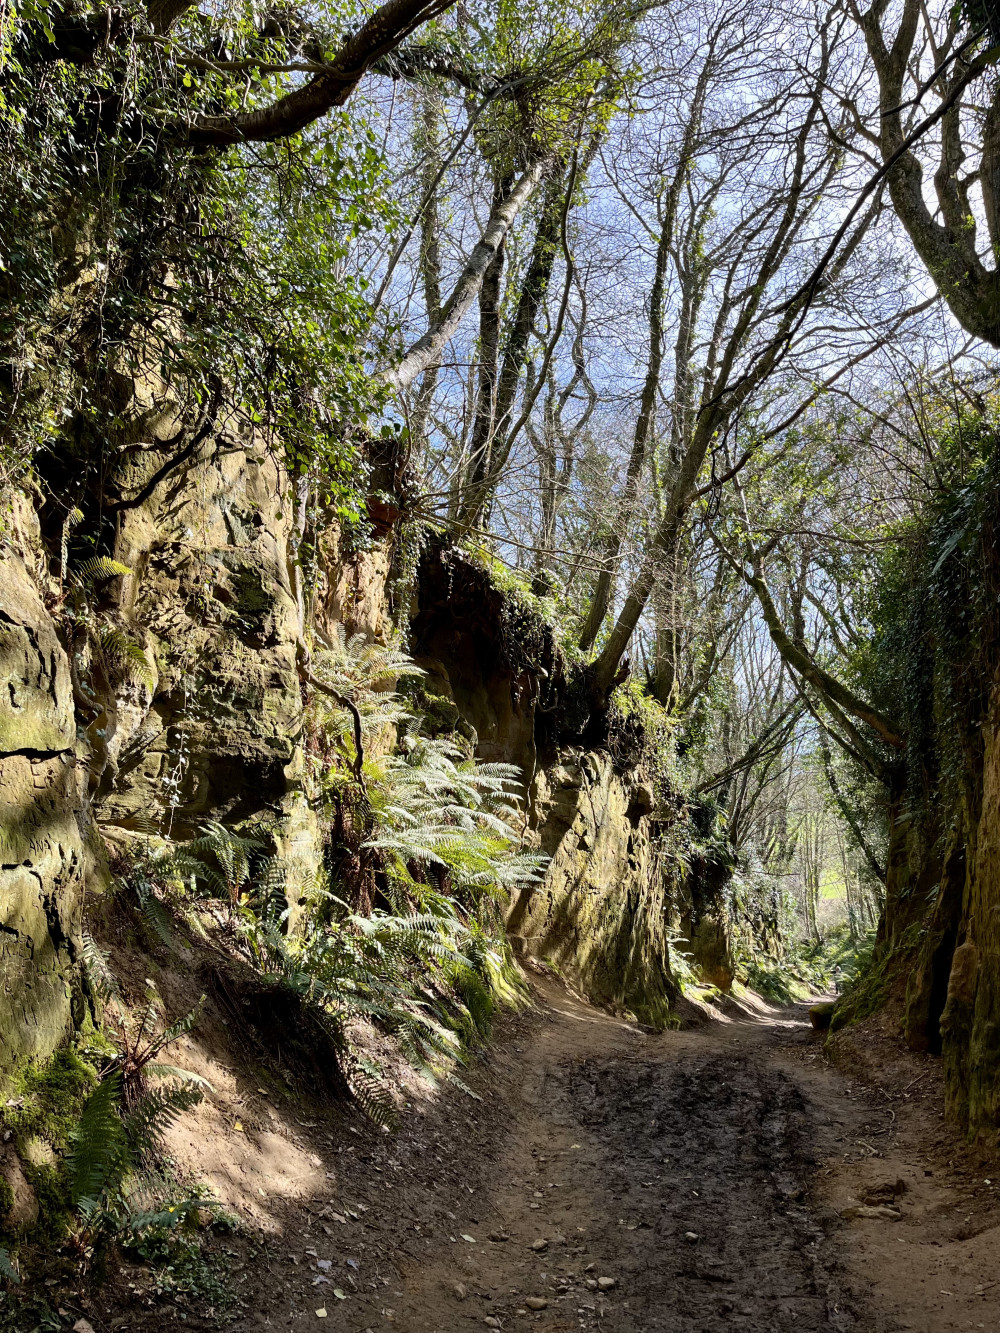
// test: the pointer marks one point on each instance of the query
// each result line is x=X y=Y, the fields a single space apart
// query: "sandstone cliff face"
x=941 y=931
x=970 y=1022
x=601 y=913
x=210 y=728
x=47 y=848
x=216 y=729
x=615 y=890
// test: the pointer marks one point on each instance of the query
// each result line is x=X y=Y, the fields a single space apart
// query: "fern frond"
x=181 y=1075
x=154 y=914
x=100 y=568
x=129 y=656
x=180 y=1027
x=100 y=1156
x=164 y=1218
x=462 y=1086
x=367 y=1083
x=97 y=966
x=156 y=1111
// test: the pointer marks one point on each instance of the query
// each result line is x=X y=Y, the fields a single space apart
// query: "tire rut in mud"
x=718 y=1150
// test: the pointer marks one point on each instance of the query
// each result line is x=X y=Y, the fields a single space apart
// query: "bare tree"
x=916 y=49
x=753 y=327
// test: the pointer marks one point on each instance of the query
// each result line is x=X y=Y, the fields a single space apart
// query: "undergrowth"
x=401 y=928
x=840 y=963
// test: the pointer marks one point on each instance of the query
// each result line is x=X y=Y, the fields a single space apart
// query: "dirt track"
x=702 y=1174
x=674 y=1166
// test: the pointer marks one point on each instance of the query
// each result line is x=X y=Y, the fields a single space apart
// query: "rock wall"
x=47 y=843
x=202 y=717
x=611 y=893
x=970 y=1021
x=215 y=730
x=601 y=912
x=953 y=992
x=937 y=953
x=199 y=717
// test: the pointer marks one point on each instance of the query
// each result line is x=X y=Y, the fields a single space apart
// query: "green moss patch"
x=43 y=1106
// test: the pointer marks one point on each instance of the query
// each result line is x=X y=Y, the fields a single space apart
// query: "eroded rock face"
x=218 y=596
x=970 y=1020
x=495 y=665
x=46 y=842
x=601 y=911
x=213 y=596
x=22 y=1209
x=209 y=728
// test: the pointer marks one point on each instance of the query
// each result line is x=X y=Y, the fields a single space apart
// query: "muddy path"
x=602 y=1178
x=654 y=1183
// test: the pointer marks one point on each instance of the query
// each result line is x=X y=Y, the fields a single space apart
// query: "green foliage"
x=866 y=988
x=978 y=17
x=934 y=605
x=221 y=863
x=128 y=657
x=103 y=1134
x=432 y=970
x=760 y=908
x=381 y=968
x=445 y=812
x=112 y=1178
x=436 y=832
x=646 y=734
x=550 y=608
x=773 y=981
x=182 y=269
x=367 y=672
x=142 y=877
x=568 y=65
x=99 y=569
x=841 y=963
x=113 y=1186
x=182 y=1267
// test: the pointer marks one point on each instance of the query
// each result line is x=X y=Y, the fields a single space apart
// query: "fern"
x=98 y=970
x=365 y=672
x=163 y=1218
x=359 y=667
x=100 y=1154
x=223 y=862
x=367 y=1085
x=100 y=568
x=113 y=1151
x=159 y=1108
x=127 y=655
x=438 y=808
x=430 y=965
x=7 y=1269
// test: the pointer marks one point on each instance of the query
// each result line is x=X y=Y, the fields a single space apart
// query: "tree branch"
x=359 y=749
x=427 y=349
x=391 y=24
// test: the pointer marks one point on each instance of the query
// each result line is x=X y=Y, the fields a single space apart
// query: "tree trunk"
x=489 y=351
x=427 y=349
x=430 y=254
x=490 y=447
x=610 y=549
